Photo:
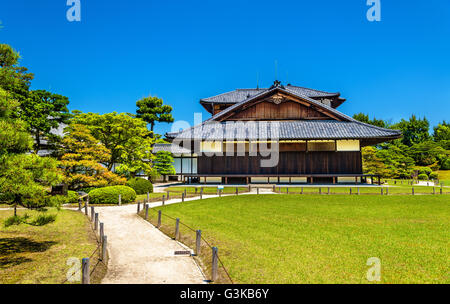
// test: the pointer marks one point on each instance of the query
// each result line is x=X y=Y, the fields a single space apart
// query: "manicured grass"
x=206 y=190
x=393 y=189
x=38 y=255
x=444 y=177
x=322 y=239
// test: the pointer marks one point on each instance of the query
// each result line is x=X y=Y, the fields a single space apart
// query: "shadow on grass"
x=10 y=262
x=21 y=245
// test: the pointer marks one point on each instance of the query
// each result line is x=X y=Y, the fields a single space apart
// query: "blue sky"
x=182 y=51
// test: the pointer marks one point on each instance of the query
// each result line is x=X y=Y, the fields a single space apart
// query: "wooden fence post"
x=92 y=213
x=198 y=240
x=146 y=211
x=159 y=219
x=104 y=246
x=382 y=191
x=177 y=229
x=273 y=188
x=320 y=190
x=412 y=190
x=79 y=204
x=257 y=190
x=215 y=264
x=102 y=231
x=220 y=192
x=358 y=191
x=120 y=199
x=302 y=191
x=86 y=208
x=350 y=190
x=168 y=195
x=182 y=197
x=185 y=193
x=237 y=191
x=328 y=191
x=434 y=190
x=387 y=190
x=442 y=190
x=96 y=222
x=287 y=190
x=138 y=207
x=85 y=272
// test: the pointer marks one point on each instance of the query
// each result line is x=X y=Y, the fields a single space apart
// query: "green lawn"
x=321 y=239
x=444 y=177
x=38 y=255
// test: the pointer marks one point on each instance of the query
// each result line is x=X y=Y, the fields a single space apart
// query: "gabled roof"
x=287 y=90
x=174 y=149
x=240 y=95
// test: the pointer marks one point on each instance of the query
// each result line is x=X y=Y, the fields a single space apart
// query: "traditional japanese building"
x=299 y=130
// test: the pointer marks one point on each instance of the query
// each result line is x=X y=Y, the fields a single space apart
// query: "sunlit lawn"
x=36 y=255
x=324 y=239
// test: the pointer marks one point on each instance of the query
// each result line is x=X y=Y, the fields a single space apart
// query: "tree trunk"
x=38 y=143
x=15 y=209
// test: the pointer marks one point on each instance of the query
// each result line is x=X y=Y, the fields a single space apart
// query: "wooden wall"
x=267 y=110
x=289 y=163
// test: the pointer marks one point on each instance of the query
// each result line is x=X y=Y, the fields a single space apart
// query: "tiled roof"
x=174 y=149
x=243 y=94
x=287 y=130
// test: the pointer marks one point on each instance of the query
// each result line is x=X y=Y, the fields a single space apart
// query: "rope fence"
x=101 y=239
x=196 y=242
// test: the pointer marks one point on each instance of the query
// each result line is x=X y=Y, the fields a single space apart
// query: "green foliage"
x=140 y=185
x=43 y=111
x=434 y=175
x=43 y=219
x=446 y=164
x=126 y=137
x=425 y=170
x=81 y=159
x=110 y=195
x=13 y=78
x=442 y=131
x=40 y=220
x=164 y=163
x=365 y=118
x=414 y=130
x=152 y=110
x=427 y=153
x=13 y=136
x=72 y=197
x=422 y=177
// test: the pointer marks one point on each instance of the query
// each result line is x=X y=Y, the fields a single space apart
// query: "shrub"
x=422 y=177
x=110 y=195
x=434 y=175
x=15 y=220
x=72 y=197
x=425 y=170
x=43 y=219
x=140 y=185
x=446 y=164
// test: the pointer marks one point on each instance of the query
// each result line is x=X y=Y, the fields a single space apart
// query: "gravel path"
x=141 y=254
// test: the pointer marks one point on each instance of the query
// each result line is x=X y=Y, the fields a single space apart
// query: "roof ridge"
x=331 y=93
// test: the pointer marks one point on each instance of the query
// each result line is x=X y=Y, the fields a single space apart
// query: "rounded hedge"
x=434 y=175
x=140 y=185
x=110 y=195
x=425 y=170
x=422 y=177
x=72 y=197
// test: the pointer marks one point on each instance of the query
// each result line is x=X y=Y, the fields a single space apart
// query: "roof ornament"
x=277 y=84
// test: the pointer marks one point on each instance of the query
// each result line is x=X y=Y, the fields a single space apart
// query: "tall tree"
x=152 y=110
x=164 y=164
x=14 y=79
x=441 y=131
x=43 y=111
x=365 y=118
x=415 y=130
x=24 y=178
x=81 y=159
x=126 y=136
